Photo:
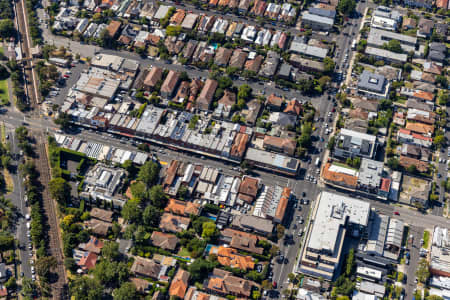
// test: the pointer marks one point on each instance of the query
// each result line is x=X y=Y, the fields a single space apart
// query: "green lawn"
x=426 y=239
x=4 y=96
x=183 y=252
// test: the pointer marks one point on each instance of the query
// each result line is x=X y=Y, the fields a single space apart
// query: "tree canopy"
x=346 y=7
x=59 y=190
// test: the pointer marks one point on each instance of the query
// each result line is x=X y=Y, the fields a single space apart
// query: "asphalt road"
x=17 y=198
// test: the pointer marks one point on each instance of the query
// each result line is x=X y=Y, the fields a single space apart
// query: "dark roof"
x=322 y=12
x=371 y=81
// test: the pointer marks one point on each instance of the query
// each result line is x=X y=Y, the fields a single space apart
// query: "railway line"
x=59 y=286
x=25 y=44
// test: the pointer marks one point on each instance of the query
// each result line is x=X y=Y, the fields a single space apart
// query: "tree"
x=411 y=169
x=209 y=230
x=151 y=216
x=331 y=143
x=442 y=80
x=11 y=284
x=28 y=287
x=328 y=65
x=244 y=92
x=394 y=46
x=439 y=141
x=110 y=251
x=138 y=190
x=86 y=288
x=393 y=163
x=149 y=173
x=111 y=274
x=131 y=211
x=59 y=190
x=280 y=231
x=7 y=28
x=200 y=269
x=173 y=30
x=21 y=133
x=44 y=265
x=127 y=291
x=70 y=264
x=350 y=264
x=422 y=271
x=346 y=7
x=63 y=120
x=157 y=196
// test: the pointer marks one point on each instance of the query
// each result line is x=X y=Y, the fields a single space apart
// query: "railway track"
x=59 y=287
x=25 y=43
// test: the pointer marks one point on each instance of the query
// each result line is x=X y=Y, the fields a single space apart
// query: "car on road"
x=301 y=221
x=22 y=274
x=396 y=213
x=274 y=284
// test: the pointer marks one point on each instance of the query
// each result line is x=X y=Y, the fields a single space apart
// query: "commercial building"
x=373 y=85
x=440 y=255
x=275 y=162
x=385 y=18
x=101 y=183
x=317 y=22
x=351 y=143
x=300 y=46
x=386 y=55
x=272 y=203
x=378 y=37
x=333 y=215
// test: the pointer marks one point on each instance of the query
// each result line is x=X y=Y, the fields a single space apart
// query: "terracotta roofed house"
x=241 y=240
x=282 y=145
x=145 y=268
x=153 y=77
x=101 y=214
x=113 y=28
x=178 y=17
x=224 y=283
x=238 y=58
x=239 y=146
x=206 y=95
x=182 y=208
x=293 y=107
x=183 y=92
x=170 y=84
x=172 y=223
x=164 y=240
x=331 y=176
x=222 y=56
x=248 y=189
x=406 y=162
x=88 y=261
x=179 y=284
x=274 y=102
x=93 y=245
x=420 y=128
x=442 y=4
x=254 y=65
x=409 y=23
x=232 y=258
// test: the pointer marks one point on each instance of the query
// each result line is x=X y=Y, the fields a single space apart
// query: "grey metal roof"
x=371 y=81
x=322 y=12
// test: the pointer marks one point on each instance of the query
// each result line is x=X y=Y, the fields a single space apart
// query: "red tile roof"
x=385 y=184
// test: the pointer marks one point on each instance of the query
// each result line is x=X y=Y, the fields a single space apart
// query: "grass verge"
x=4 y=95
